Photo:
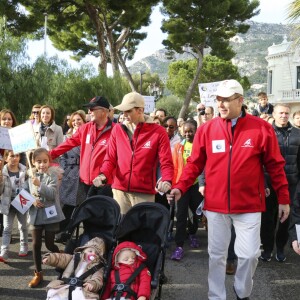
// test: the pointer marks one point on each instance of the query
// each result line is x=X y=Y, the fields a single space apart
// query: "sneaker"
x=23 y=251
x=194 y=243
x=265 y=256
x=177 y=254
x=4 y=256
x=280 y=256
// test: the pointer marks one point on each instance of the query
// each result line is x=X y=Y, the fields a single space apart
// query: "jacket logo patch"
x=147 y=145
x=103 y=142
x=248 y=144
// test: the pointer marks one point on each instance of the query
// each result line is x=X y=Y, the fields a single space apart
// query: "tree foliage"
x=50 y=81
x=193 y=25
x=181 y=73
x=109 y=30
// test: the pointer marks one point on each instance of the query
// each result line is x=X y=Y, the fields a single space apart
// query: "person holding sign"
x=45 y=213
x=11 y=180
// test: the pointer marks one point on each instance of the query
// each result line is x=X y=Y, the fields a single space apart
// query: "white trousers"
x=246 y=247
x=8 y=222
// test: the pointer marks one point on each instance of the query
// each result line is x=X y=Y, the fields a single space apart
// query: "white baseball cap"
x=228 y=88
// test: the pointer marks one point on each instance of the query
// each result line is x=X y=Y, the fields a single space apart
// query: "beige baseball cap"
x=130 y=101
x=228 y=88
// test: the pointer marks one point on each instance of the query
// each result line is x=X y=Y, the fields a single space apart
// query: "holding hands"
x=100 y=180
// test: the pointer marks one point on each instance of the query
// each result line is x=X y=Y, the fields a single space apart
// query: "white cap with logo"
x=227 y=88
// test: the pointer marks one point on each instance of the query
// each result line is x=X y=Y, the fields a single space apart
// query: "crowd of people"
x=242 y=167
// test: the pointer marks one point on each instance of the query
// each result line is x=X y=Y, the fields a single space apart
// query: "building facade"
x=284 y=74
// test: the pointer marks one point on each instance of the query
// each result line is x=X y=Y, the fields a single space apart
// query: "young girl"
x=12 y=178
x=45 y=213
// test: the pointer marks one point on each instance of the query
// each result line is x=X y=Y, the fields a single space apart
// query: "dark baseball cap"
x=98 y=101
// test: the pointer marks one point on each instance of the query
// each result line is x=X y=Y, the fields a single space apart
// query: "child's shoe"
x=36 y=280
x=194 y=243
x=4 y=256
x=177 y=254
x=23 y=250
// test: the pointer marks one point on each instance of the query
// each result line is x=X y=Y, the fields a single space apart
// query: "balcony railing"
x=285 y=96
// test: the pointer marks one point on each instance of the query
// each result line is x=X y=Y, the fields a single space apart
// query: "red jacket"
x=141 y=285
x=136 y=161
x=234 y=165
x=93 y=148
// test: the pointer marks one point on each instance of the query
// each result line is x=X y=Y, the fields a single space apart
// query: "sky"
x=272 y=11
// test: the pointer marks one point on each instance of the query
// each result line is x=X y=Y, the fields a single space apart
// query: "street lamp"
x=155 y=90
x=45 y=34
x=141 y=82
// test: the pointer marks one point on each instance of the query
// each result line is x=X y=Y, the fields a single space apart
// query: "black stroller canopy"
x=144 y=219
x=99 y=215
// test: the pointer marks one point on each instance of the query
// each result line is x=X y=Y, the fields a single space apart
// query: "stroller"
x=97 y=216
x=146 y=224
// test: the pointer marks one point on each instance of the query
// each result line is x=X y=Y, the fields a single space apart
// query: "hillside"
x=251 y=49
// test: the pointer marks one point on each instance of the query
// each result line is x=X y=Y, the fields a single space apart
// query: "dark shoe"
x=265 y=256
x=238 y=298
x=177 y=254
x=230 y=268
x=280 y=256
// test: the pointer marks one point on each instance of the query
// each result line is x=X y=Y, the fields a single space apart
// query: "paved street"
x=186 y=279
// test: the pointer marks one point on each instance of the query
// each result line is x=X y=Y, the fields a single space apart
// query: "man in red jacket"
x=92 y=138
x=234 y=148
x=133 y=152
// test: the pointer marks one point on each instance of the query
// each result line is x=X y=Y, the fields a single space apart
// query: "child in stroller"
x=83 y=272
x=129 y=277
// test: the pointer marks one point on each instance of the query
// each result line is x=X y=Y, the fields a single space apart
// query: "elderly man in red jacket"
x=134 y=150
x=92 y=138
x=234 y=148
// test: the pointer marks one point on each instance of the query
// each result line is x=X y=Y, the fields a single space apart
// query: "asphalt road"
x=186 y=279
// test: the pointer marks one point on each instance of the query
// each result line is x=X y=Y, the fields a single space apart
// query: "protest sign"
x=4 y=139
x=207 y=93
x=149 y=104
x=22 y=138
x=23 y=201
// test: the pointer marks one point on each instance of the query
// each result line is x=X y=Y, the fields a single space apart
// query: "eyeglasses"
x=226 y=100
x=169 y=126
x=35 y=112
x=94 y=108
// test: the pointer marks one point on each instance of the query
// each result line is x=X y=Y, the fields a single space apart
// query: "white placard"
x=298 y=233
x=51 y=211
x=5 y=139
x=207 y=93
x=23 y=201
x=149 y=104
x=22 y=138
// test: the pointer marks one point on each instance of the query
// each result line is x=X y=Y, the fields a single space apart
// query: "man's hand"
x=100 y=180
x=175 y=194
x=163 y=186
x=202 y=190
x=267 y=192
x=296 y=247
x=283 y=212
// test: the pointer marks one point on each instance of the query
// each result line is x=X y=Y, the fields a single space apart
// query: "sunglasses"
x=169 y=126
x=35 y=112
